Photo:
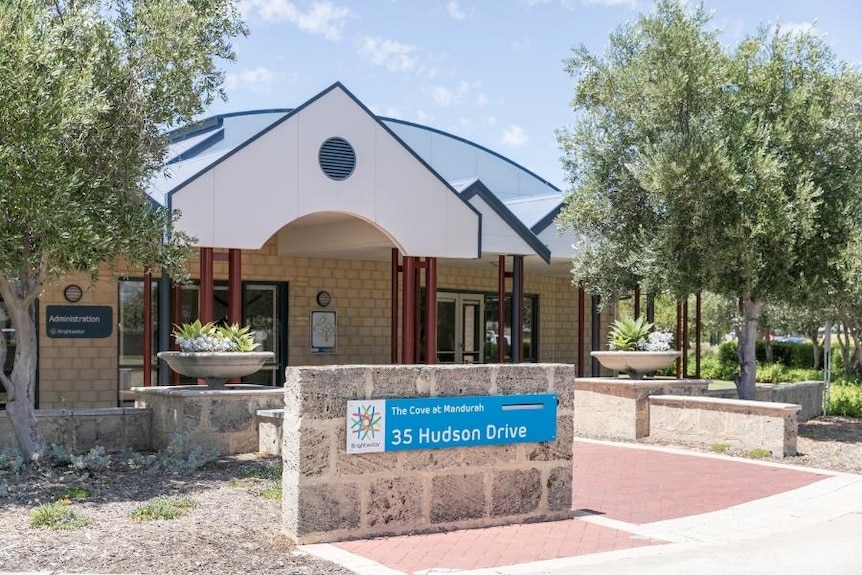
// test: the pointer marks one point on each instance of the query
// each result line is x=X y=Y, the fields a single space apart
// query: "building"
x=341 y=238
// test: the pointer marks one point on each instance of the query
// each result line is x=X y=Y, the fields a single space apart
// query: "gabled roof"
x=527 y=203
x=477 y=188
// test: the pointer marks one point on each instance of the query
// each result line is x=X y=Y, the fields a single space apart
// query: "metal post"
x=596 y=328
x=581 y=330
x=517 y=337
x=205 y=303
x=501 y=309
x=234 y=280
x=148 y=328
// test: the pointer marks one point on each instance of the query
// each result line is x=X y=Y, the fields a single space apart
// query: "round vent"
x=337 y=158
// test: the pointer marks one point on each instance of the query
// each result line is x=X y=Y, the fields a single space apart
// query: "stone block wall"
x=807 y=394
x=742 y=424
x=222 y=420
x=80 y=430
x=619 y=408
x=332 y=495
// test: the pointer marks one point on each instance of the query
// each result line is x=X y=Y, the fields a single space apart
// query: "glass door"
x=459 y=328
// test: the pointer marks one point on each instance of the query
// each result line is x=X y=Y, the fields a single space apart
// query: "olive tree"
x=693 y=168
x=87 y=88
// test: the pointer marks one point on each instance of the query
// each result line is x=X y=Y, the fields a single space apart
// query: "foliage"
x=630 y=334
x=758 y=453
x=794 y=355
x=178 y=458
x=719 y=447
x=696 y=169
x=94 y=460
x=87 y=89
x=198 y=337
x=163 y=508
x=57 y=515
x=76 y=492
x=845 y=400
x=273 y=492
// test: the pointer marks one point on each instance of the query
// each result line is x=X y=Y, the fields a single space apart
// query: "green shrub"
x=758 y=453
x=57 y=515
x=845 y=399
x=163 y=508
x=77 y=492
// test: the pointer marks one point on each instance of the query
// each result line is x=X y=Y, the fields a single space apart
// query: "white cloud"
x=255 y=80
x=321 y=19
x=629 y=3
x=514 y=136
x=799 y=28
x=395 y=56
x=481 y=99
x=455 y=96
x=455 y=11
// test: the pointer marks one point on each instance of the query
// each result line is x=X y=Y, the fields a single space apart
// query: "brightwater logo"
x=366 y=425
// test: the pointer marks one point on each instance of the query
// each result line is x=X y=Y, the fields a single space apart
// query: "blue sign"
x=79 y=321
x=428 y=423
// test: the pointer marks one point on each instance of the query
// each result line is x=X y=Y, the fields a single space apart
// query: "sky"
x=489 y=71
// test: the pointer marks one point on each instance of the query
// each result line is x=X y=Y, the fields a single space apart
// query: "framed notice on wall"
x=323 y=331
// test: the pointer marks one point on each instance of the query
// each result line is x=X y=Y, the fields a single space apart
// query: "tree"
x=87 y=87
x=693 y=169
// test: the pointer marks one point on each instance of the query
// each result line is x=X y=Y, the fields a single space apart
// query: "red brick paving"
x=623 y=483
x=644 y=485
x=494 y=546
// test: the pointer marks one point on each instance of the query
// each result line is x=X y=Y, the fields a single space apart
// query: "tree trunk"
x=747 y=335
x=21 y=385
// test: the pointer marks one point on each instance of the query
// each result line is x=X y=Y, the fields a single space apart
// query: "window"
x=131 y=335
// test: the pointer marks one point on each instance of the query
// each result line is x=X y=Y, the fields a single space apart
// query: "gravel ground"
x=233 y=528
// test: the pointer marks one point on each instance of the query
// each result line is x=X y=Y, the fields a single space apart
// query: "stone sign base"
x=332 y=495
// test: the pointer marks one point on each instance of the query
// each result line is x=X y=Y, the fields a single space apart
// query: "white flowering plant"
x=208 y=337
x=637 y=334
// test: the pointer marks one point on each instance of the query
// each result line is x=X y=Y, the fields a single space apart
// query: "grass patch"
x=264 y=471
x=758 y=453
x=272 y=492
x=77 y=492
x=163 y=508
x=58 y=515
x=238 y=483
x=719 y=447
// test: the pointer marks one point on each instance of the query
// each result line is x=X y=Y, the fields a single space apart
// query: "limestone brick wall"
x=80 y=430
x=83 y=373
x=332 y=495
x=707 y=421
x=74 y=372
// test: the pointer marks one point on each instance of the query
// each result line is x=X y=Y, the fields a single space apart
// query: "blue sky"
x=490 y=71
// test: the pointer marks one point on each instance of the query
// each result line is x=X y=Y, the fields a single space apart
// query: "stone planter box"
x=617 y=408
x=221 y=419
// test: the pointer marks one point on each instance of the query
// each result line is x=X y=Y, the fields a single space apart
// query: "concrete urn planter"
x=636 y=364
x=215 y=367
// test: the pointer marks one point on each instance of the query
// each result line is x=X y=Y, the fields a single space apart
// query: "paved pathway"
x=642 y=504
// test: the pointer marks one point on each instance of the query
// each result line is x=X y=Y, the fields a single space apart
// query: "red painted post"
x=393 y=326
x=430 y=311
x=408 y=313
